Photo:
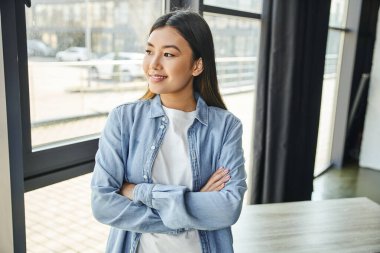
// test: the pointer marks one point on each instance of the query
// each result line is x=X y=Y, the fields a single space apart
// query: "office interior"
x=301 y=75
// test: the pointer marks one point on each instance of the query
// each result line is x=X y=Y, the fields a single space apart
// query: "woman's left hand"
x=127 y=190
x=217 y=181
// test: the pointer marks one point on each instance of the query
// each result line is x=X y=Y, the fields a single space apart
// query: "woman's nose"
x=156 y=62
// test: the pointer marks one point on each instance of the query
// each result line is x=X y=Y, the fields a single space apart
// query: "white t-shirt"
x=172 y=166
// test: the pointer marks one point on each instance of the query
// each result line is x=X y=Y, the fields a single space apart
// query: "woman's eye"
x=148 y=51
x=168 y=55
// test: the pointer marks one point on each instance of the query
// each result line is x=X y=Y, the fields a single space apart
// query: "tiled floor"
x=59 y=219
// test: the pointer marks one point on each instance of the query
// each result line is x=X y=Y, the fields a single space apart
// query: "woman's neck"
x=184 y=103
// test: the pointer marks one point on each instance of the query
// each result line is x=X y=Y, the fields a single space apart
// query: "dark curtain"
x=291 y=64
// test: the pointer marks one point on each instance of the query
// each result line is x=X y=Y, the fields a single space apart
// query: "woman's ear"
x=198 y=67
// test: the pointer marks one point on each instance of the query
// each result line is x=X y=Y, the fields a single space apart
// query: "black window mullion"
x=230 y=12
x=52 y=159
x=56 y=176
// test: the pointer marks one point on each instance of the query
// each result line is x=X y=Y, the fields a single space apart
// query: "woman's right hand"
x=217 y=181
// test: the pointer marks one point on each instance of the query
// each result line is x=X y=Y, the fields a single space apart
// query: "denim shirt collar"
x=201 y=114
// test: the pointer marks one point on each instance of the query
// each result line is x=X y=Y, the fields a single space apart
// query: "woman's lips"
x=157 y=78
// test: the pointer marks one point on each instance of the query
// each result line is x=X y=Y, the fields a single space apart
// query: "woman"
x=169 y=173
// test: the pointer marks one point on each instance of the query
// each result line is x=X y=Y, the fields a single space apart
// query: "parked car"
x=125 y=70
x=38 y=48
x=74 y=54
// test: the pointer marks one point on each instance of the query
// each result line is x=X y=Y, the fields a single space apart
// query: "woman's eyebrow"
x=172 y=46
x=166 y=46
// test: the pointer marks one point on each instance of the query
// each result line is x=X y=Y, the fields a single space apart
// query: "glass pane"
x=338 y=13
x=328 y=102
x=236 y=47
x=241 y=5
x=84 y=59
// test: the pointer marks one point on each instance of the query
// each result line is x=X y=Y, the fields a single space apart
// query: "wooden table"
x=340 y=225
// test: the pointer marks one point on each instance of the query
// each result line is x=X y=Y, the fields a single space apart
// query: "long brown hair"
x=197 y=33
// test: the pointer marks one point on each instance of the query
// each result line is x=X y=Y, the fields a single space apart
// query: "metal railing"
x=234 y=74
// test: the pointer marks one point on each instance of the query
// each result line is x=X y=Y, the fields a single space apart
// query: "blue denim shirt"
x=127 y=149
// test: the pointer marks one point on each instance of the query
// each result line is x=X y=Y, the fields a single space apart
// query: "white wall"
x=370 y=149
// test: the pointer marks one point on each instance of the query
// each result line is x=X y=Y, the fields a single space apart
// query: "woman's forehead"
x=166 y=35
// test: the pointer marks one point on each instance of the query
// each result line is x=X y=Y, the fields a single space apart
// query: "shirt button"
x=145 y=177
x=153 y=147
x=163 y=119
x=162 y=126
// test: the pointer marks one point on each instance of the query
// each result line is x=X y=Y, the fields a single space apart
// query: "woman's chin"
x=156 y=90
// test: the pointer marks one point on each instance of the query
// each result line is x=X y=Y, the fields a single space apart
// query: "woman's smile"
x=157 y=78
